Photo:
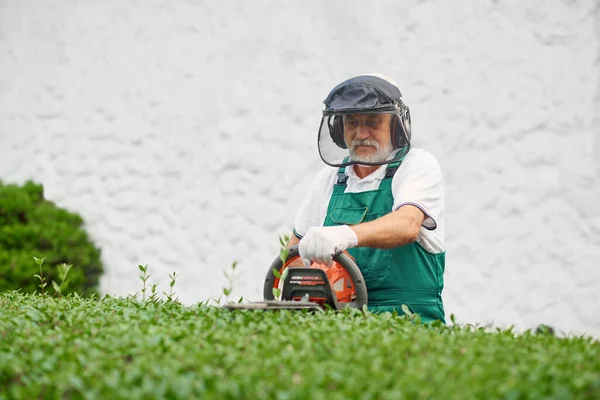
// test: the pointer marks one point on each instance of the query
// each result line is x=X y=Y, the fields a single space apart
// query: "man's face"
x=368 y=136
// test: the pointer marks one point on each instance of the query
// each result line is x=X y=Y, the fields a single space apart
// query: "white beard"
x=381 y=154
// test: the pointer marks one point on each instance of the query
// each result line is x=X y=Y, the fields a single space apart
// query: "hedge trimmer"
x=316 y=287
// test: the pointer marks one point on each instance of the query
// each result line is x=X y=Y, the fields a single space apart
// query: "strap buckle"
x=341 y=178
x=390 y=171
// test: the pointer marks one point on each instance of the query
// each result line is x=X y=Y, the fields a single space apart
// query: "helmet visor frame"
x=380 y=141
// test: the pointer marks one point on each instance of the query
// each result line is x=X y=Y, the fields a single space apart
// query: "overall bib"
x=403 y=275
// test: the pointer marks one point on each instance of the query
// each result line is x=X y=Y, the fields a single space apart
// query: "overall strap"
x=340 y=183
x=391 y=169
x=386 y=182
x=393 y=166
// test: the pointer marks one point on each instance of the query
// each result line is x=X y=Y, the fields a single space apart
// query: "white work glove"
x=321 y=244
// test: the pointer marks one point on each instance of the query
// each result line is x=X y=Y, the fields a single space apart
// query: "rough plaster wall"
x=184 y=132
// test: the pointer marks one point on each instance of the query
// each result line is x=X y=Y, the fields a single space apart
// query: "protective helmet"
x=370 y=103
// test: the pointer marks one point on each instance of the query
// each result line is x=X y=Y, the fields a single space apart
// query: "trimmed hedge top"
x=123 y=348
x=32 y=226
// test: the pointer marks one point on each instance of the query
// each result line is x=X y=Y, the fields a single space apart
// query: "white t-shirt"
x=418 y=181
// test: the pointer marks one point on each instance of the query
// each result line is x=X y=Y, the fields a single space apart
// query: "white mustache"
x=365 y=142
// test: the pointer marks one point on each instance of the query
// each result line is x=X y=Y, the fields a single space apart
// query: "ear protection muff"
x=336 y=131
x=399 y=129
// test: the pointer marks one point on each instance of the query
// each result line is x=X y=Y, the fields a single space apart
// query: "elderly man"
x=377 y=198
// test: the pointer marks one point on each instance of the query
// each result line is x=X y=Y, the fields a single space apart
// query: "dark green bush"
x=32 y=226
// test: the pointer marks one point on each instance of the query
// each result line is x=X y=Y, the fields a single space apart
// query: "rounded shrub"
x=31 y=226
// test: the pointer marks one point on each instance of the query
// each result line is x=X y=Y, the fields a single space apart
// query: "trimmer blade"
x=274 y=305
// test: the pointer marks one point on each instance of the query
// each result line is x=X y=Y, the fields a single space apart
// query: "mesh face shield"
x=366 y=138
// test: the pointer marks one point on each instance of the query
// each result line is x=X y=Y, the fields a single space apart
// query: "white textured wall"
x=184 y=132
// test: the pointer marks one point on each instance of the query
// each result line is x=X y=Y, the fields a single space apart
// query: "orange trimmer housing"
x=339 y=279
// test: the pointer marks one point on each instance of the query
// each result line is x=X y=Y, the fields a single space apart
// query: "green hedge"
x=32 y=226
x=123 y=348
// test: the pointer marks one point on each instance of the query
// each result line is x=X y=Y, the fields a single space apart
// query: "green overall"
x=403 y=275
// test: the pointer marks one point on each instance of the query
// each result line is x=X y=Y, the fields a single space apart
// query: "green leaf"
x=143 y=268
x=56 y=287
x=285 y=274
x=63 y=270
x=276 y=273
x=276 y=293
x=226 y=291
x=406 y=310
x=283 y=255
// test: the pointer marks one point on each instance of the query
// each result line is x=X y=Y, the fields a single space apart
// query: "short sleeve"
x=418 y=182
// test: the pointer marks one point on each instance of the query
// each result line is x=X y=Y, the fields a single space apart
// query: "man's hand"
x=321 y=244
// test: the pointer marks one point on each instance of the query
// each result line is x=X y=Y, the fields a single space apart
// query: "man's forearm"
x=392 y=230
x=293 y=241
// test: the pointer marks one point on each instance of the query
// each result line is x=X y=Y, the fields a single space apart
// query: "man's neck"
x=363 y=171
